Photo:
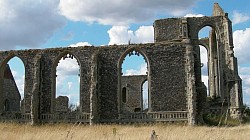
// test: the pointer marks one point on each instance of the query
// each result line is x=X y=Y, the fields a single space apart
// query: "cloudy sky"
x=28 y=24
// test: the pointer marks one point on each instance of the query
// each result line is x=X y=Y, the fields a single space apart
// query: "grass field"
x=10 y=131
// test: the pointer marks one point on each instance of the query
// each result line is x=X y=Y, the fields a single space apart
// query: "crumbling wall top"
x=217 y=10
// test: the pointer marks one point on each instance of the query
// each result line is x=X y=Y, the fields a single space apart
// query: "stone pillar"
x=94 y=116
x=212 y=64
x=236 y=92
x=191 y=89
x=35 y=91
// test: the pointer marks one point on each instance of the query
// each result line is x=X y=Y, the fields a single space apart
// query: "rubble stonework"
x=11 y=95
x=132 y=100
x=175 y=89
x=62 y=104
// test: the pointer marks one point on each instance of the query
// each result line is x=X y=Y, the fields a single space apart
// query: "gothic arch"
x=214 y=51
x=2 y=70
x=129 y=51
x=201 y=22
x=53 y=75
x=8 y=58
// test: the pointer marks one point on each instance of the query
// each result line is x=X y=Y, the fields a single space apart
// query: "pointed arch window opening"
x=143 y=70
x=213 y=62
x=67 y=74
x=14 y=79
x=133 y=55
x=205 y=33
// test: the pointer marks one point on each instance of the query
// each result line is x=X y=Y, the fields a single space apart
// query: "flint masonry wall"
x=174 y=71
x=166 y=64
x=62 y=104
x=50 y=59
x=224 y=81
x=133 y=90
x=11 y=95
x=27 y=58
x=164 y=29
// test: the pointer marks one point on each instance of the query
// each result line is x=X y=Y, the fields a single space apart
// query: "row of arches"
x=13 y=82
x=213 y=54
x=210 y=59
x=66 y=77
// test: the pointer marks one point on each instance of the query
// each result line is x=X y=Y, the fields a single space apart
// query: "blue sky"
x=26 y=24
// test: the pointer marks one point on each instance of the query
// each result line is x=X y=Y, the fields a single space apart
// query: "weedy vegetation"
x=11 y=131
x=216 y=128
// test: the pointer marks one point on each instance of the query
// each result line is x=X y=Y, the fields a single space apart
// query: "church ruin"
x=175 y=89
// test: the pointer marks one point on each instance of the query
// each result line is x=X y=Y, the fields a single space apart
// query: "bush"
x=220 y=120
x=246 y=114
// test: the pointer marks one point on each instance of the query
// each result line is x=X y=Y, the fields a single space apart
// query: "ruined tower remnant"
x=175 y=89
x=11 y=97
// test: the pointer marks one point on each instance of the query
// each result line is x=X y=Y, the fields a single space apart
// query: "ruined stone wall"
x=168 y=29
x=166 y=64
x=11 y=93
x=168 y=78
x=27 y=58
x=133 y=85
x=62 y=104
x=174 y=75
x=51 y=58
x=108 y=81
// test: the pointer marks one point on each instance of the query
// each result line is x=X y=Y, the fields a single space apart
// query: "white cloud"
x=145 y=34
x=242 y=49
x=193 y=15
x=70 y=85
x=60 y=80
x=14 y=73
x=145 y=95
x=205 y=79
x=245 y=84
x=68 y=67
x=28 y=23
x=67 y=80
x=121 y=12
x=204 y=59
x=141 y=71
x=244 y=70
x=19 y=79
x=246 y=79
x=239 y=17
x=80 y=44
x=122 y=35
x=241 y=45
x=74 y=99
